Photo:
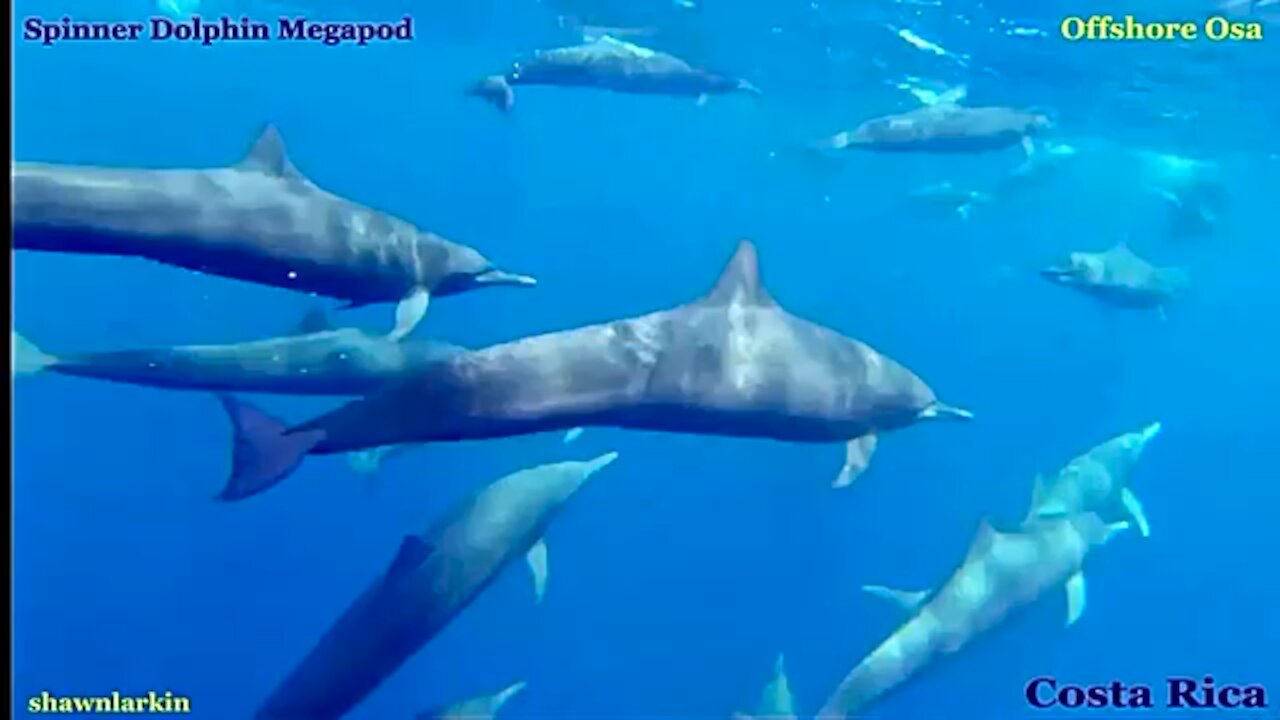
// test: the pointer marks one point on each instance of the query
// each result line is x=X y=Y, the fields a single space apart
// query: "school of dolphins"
x=730 y=361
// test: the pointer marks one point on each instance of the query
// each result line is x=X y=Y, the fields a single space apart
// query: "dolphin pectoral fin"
x=412 y=553
x=702 y=100
x=1076 y=598
x=409 y=312
x=27 y=358
x=906 y=599
x=537 y=560
x=262 y=452
x=571 y=434
x=1028 y=147
x=857 y=457
x=495 y=90
x=1134 y=507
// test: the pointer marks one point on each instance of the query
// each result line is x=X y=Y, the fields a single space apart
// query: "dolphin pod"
x=610 y=64
x=733 y=363
x=432 y=578
x=261 y=221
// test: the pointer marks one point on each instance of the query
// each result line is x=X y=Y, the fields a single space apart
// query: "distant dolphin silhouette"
x=734 y=363
x=432 y=578
x=260 y=221
x=945 y=128
x=319 y=361
x=607 y=63
x=1119 y=277
x=1001 y=573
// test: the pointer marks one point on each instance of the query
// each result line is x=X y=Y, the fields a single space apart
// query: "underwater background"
x=680 y=573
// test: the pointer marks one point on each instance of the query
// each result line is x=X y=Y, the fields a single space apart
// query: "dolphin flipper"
x=1076 y=598
x=572 y=434
x=409 y=313
x=1133 y=506
x=262 y=454
x=857 y=457
x=537 y=560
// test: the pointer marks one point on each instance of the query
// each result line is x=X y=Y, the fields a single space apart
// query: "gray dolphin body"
x=1097 y=481
x=432 y=578
x=344 y=361
x=259 y=221
x=945 y=128
x=609 y=64
x=1001 y=573
x=1118 y=277
x=731 y=364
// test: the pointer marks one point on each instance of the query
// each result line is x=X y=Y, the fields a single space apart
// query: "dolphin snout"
x=1059 y=273
x=502 y=277
x=943 y=411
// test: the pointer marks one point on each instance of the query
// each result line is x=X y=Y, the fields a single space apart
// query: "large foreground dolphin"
x=261 y=221
x=1097 y=481
x=1119 y=277
x=432 y=578
x=733 y=363
x=607 y=63
x=945 y=128
x=1002 y=572
x=321 y=361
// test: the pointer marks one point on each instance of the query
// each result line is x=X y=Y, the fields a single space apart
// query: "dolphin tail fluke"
x=496 y=90
x=28 y=359
x=262 y=454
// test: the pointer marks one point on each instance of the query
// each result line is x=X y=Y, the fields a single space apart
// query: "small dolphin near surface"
x=945 y=128
x=1119 y=277
x=485 y=707
x=432 y=578
x=950 y=197
x=1097 y=481
x=320 y=361
x=259 y=221
x=733 y=363
x=1002 y=572
x=776 y=702
x=607 y=63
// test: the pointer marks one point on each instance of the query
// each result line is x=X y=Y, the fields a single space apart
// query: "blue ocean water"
x=679 y=573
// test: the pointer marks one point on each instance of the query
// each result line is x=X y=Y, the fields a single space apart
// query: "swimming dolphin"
x=733 y=363
x=260 y=221
x=945 y=128
x=433 y=577
x=1192 y=190
x=485 y=707
x=1119 y=277
x=776 y=702
x=607 y=63
x=1001 y=573
x=343 y=361
x=950 y=197
x=1097 y=481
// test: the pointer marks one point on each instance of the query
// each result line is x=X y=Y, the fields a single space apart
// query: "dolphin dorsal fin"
x=740 y=281
x=269 y=157
x=982 y=540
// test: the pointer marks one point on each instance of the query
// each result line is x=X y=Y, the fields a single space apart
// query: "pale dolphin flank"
x=733 y=363
x=607 y=63
x=1001 y=573
x=344 y=361
x=945 y=128
x=485 y=707
x=1097 y=481
x=1119 y=277
x=432 y=578
x=776 y=702
x=259 y=221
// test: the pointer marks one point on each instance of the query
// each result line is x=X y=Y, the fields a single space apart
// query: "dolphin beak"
x=1058 y=274
x=943 y=411
x=501 y=277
